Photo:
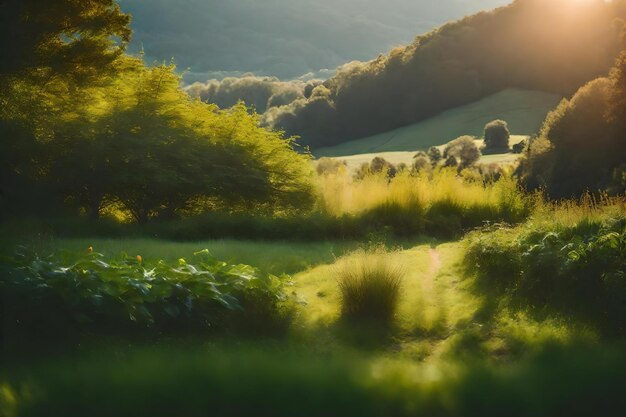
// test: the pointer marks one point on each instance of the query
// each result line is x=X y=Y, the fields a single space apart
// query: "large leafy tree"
x=47 y=50
x=582 y=145
x=70 y=37
x=143 y=142
x=89 y=126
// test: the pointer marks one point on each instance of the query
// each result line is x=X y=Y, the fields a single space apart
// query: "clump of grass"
x=370 y=285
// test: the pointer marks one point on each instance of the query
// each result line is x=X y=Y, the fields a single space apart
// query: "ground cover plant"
x=568 y=259
x=67 y=296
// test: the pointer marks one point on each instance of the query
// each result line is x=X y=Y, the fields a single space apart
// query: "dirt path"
x=435 y=265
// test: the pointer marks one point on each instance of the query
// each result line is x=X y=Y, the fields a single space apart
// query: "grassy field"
x=353 y=162
x=438 y=314
x=453 y=341
x=523 y=110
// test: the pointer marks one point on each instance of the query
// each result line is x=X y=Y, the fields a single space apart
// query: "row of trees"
x=85 y=127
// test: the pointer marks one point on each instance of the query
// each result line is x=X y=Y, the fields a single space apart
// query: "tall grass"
x=438 y=203
x=370 y=285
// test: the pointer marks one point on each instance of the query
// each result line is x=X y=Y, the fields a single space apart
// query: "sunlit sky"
x=285 y=38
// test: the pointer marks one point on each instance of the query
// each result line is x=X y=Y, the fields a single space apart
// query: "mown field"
x=353 y=162
x=523 y=110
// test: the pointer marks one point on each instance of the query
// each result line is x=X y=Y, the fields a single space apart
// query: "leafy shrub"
x=463 y=150
x=327 y=166
x=497 y=135
x=421 y=162
x=91 y=294
x=434 y=154
x=520 y=147
x=577 y=270
x=370 y=287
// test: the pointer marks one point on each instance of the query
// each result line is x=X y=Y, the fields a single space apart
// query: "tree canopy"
x=88 y=128
x=497 y=135
x=582 y=144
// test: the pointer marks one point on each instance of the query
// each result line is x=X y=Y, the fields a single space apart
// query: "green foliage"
x=497 y=135
x=370 y=287
x=90 y=128
x=575 y=381
x=434 y=154
x=582 y=141
x=520 y=147
x=459 y=63
x=88 y=293
x=463 y=150
x=576 y=271
x=72 y=38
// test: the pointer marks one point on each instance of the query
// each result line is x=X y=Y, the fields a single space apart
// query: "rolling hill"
x=283 y=38
x=524 y=111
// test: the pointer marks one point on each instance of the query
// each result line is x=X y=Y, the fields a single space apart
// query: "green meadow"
x=165 y=255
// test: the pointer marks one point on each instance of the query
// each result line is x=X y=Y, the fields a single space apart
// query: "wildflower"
x=90 y=249
x=139 y=259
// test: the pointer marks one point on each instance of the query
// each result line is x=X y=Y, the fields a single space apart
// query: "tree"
x=434 y=153
x=157 y=151
x=464 y=150
x=326 y=166
x=497 y=135
x=451 y=162
x=580 y=143
x=381 y=165
x=77 y=38
x=51 y=53
x=421 y=161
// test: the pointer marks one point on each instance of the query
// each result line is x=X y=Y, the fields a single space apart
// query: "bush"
x=497 y=135
x=464 y=150
x=577 y=270
x=520 y=147
x=421 y=162
x=326 y=166
x=434 y=154
x=370 y=287
x=73 y=295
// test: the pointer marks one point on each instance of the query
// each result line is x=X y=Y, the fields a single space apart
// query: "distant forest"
x=459 y=63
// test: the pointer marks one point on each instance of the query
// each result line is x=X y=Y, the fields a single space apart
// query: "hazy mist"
x=282 y=38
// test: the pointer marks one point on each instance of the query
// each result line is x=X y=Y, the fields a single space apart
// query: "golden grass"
x=339 y=194
x=370 y=283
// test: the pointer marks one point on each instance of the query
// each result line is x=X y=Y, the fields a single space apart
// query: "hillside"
x=529 y=44
x=523 y=110
x=353 y=162
x=282 y=38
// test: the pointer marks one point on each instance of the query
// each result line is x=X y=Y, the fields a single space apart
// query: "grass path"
x=439 y=316
x=438 y=311
x=435 y=301
x=435 y=266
